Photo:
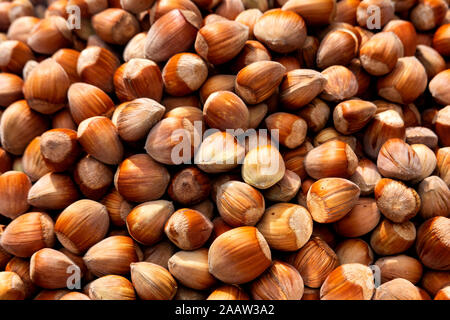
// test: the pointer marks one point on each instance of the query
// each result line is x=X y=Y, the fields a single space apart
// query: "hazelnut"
x=259 y=80
x=432 y=61
x=294 y=159
x=315 y=13
x=219 y=227
x=189 y=186
x=59 y=149
x=184 y=73
x=443 y=294
x=286 y=226
x=15 y=55
x=263 y=167
x=362 y=219
x=300 y=87
x=135 y=47
x=138 y=78
x=171 y=141
x=441 y=40
x=428 y=14
x=146 y=222
x=352 y=281
x=219 y=152
x=221 y=41
x=432 y=243
x=256 y=114
x=291 y=128
x=315 y=261
x=390 y=238
x=239 y=255
x=398 y=160
x=330 y=199
x=28 y=233
x=173 y=33
x=400 y=266
x=363 y=78
x=160 y=253
x=81 y=225
x=252 y=51
x=191 y=269
x=340 y=40
x=421 y=135
x=235 y=115
x=308 y=53
x=86 y=101
x=5 y=162
x=139 y=179
x=22 y=268
x=74 y=296
x=316 y=114
x=162 y=7
x=396 y=201
x=249 y=17
x=20 y=29
x=406 y=82
x=435 y=196
x=228 y=292
x=332 y=159
x=100 y=131
x=48 y=268
x=115 y=26
x=229 y=9
x=442 y=126
x=427 y=160
x=53 y=191
x=437 y=87
x=379 y=55
x=49 y=35
x=285 y=189
x=193 y=114
x=14 y=188
x=397 y=289
x=96 y=66
x=51 y=294
x=112 y=255
x=219 y=82
x=12 y=287
x=19 y=125
x=384 y=126
x=188 y=229
x=281 y=31
x=443 y=164
x=135 y=118
x=280 y=282
x=433 y=281
x=354 y=251
x=346 y=11
x=136 y=6
x=405 y=31
x=341 y=84
x=352 y=115
x=366 y=176
x=111 y=287
x=68 y=59
x=239 y=204
x=33 y=164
